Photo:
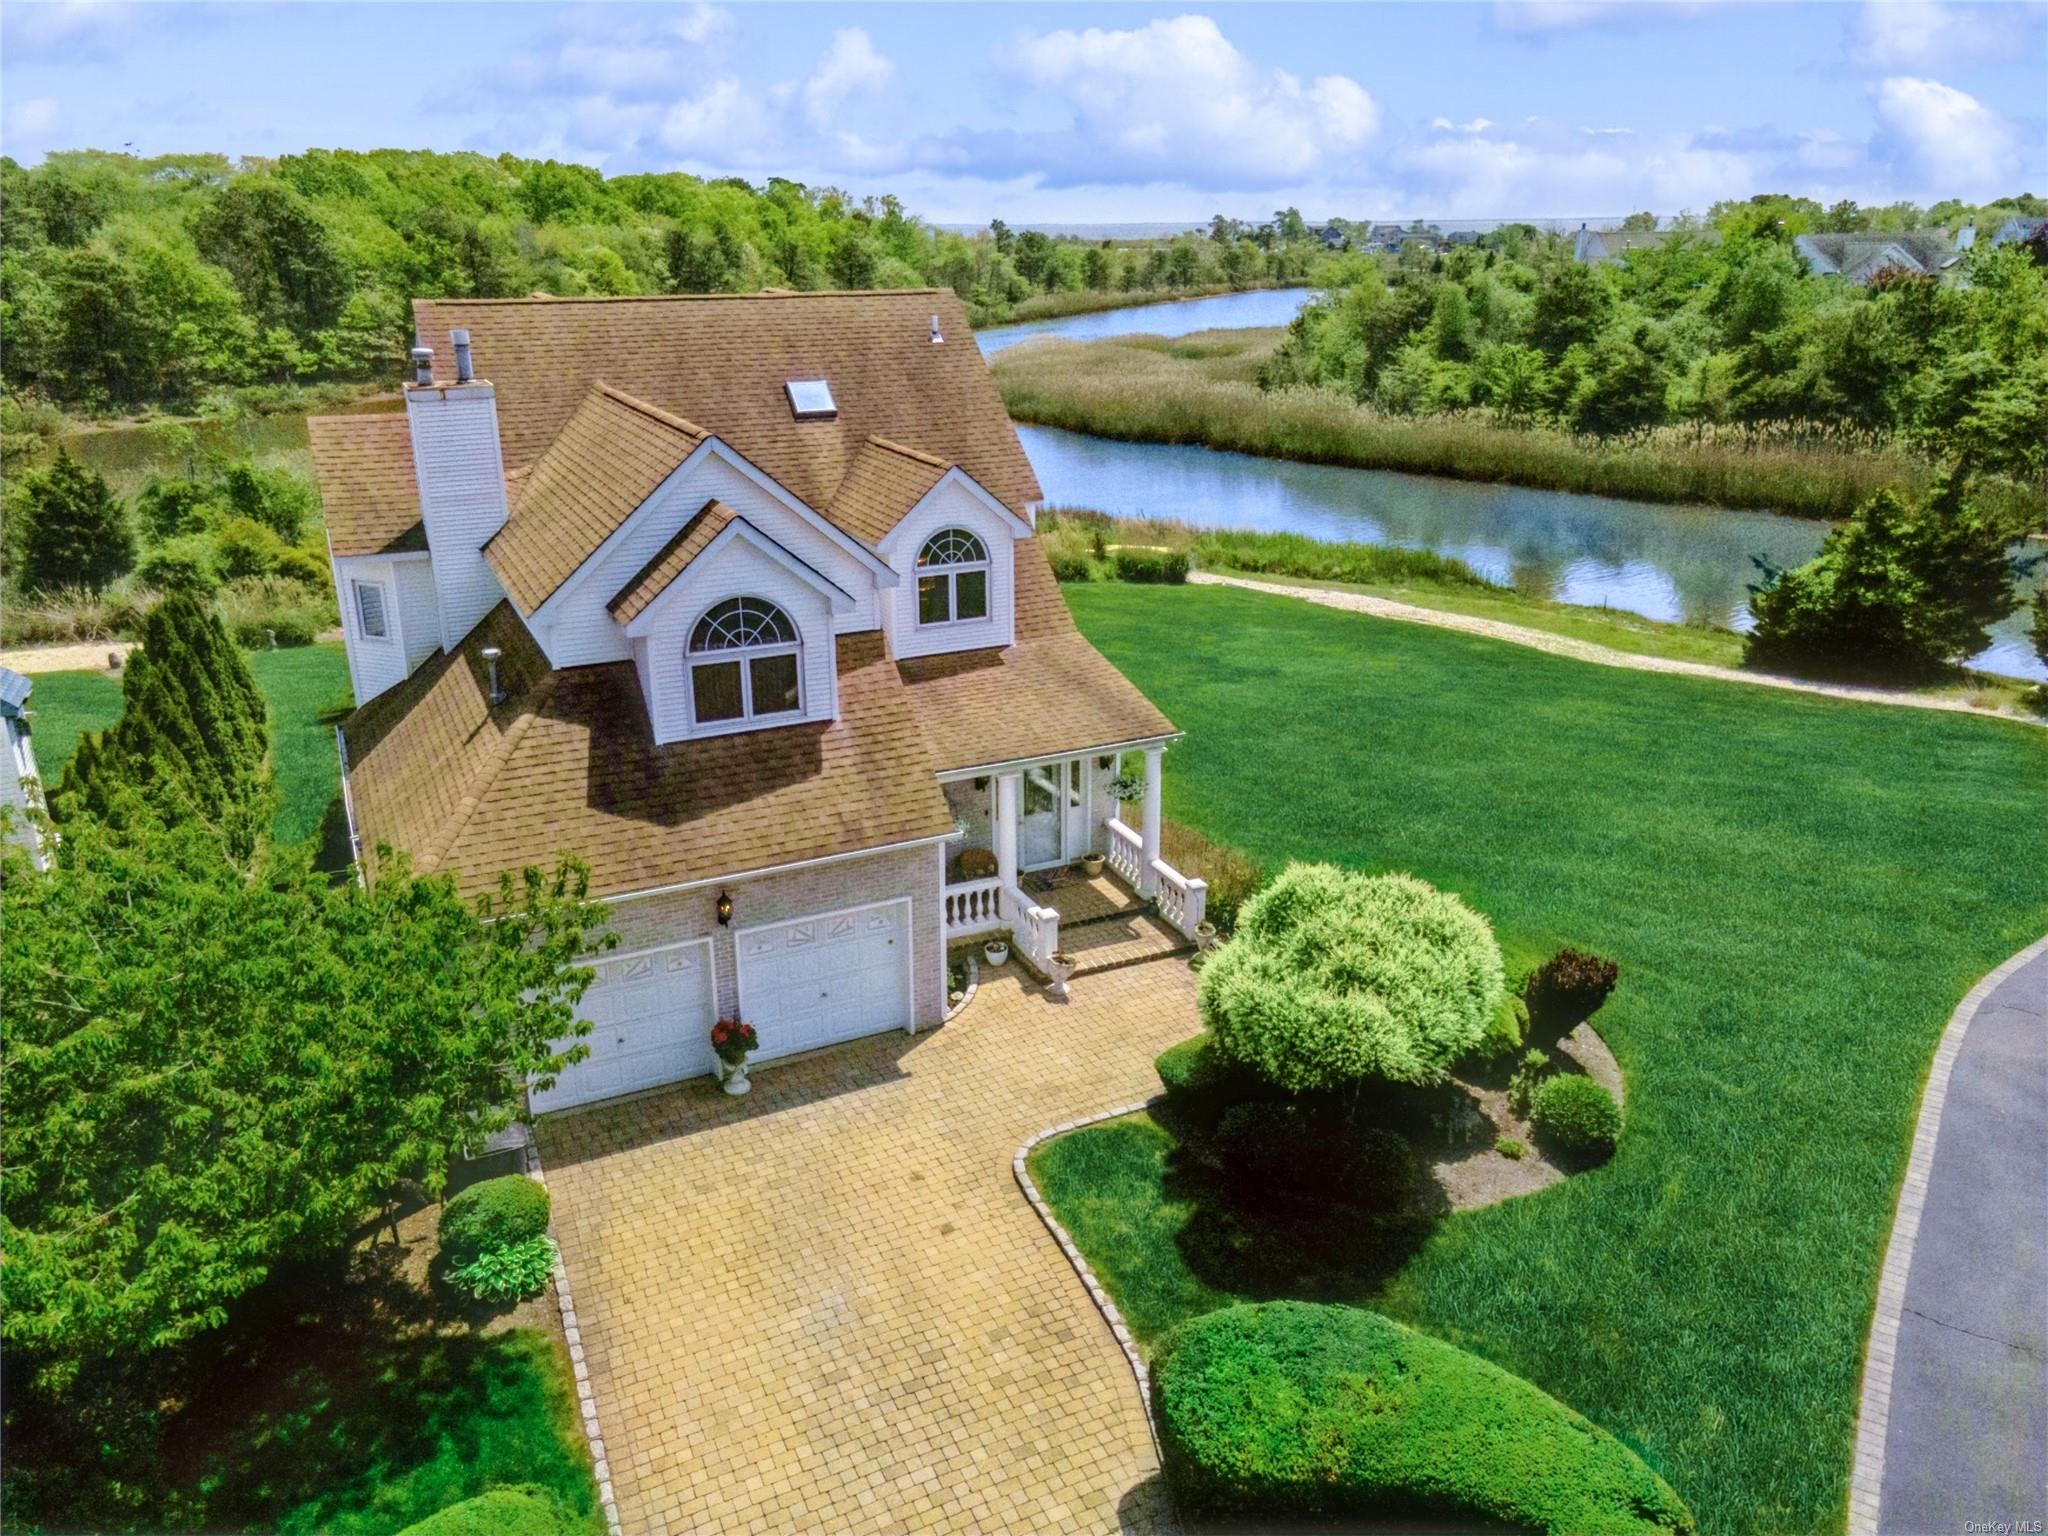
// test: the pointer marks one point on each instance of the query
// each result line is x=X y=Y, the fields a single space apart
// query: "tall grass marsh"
x=1202 y=389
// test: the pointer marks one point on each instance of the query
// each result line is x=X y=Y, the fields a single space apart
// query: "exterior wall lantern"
x=724 y=909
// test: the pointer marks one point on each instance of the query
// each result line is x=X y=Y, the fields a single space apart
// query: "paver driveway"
x=827 y=1307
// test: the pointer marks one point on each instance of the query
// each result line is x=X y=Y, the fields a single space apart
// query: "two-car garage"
x=804 y=983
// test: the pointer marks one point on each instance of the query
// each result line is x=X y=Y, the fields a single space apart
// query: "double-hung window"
x=745 y=662
x=952 y=578
x=372 y=616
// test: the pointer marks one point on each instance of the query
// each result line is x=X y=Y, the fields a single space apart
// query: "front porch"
x=1025 y=829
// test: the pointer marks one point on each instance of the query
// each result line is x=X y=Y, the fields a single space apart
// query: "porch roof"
x=1051 y=693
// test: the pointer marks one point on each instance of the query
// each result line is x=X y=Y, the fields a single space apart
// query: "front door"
x=1040 y=838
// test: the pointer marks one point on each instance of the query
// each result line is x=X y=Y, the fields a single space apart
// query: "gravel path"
x=1585 y=650
x=31 y=659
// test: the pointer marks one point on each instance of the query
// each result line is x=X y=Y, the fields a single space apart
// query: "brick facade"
x=643 y=922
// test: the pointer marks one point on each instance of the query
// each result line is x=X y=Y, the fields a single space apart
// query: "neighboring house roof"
x=723 y=361
x=884 y=482
x=671 y=560
x=567 y=765
x=364 y=468
x=1860 y=257
x=14 y=691
x=1052 y=692
x=610 y=456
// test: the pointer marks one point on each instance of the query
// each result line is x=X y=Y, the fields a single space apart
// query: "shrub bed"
x=1168 y=566
x=1576 y=1114
x=1276 y=1150
x=492 y=1215
x=1291 y=1409
x=1201 y=1082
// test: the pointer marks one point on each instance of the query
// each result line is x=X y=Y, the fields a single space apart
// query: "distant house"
x=1859 y=258
x=20 y=785
x=2017 y=229
x=1590 y=247
x=1463 y=237
x=1333 y=238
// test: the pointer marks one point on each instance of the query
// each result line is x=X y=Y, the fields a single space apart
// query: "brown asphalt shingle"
x=364 y=467
x=610 y=457
x=885 y=481
x=722 y=361
x=1049 y=693
x=568 y=765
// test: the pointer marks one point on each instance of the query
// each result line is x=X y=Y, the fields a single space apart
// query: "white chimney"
x=461 y=472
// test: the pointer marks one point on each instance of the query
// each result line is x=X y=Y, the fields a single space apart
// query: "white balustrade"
x=1126 y=852
x=974 y=907
x=1183 y=900
x=1034 y=929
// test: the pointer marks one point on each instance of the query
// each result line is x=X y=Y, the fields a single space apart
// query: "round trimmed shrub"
x=1289 y=1409
x=1201 y=1083
x=491 y=1215
x=1271 y=1149
x=1577 y=1114
x=521 y=1509
x=1334 y=976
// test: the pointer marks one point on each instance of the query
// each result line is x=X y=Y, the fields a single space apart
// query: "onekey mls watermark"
x=2002 y=1528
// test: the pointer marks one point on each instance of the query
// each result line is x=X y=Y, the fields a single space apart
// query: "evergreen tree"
x=74 y=534
x=192 y=741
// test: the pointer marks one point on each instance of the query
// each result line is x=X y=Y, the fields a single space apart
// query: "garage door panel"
x=816 y=981
x=650 y=1017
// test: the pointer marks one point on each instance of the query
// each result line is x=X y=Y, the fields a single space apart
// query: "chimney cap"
x=423 y=365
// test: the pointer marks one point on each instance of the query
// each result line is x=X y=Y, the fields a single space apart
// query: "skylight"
x=811 y=400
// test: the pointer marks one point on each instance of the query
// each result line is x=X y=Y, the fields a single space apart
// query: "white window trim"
x=357 y=586
x=744 y=655
x=951 y=574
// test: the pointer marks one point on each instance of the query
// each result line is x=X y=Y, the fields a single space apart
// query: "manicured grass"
x=1798 y=892
x=299 y=682
x=1202 y=389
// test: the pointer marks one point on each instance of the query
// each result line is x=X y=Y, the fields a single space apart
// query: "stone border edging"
x=1873 y=1417
x=1103 y=1304
x=1591 y=651
x=586 y=1395
x=967 y=995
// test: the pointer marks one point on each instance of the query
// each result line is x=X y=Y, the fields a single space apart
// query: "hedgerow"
x=1288 y=1409
x=521 y=1510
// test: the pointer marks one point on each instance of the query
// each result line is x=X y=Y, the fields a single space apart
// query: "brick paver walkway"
x=827 y=1307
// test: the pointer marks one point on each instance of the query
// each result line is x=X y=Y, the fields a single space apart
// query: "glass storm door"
x=1039 y=819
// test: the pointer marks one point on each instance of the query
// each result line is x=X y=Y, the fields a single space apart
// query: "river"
x=1677 y=564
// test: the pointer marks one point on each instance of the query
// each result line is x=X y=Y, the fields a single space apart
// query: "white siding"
x=733 y=571
x=462 y=496
x=419 y=611
x=950 y=506
x=373 y=664
x=584 y=632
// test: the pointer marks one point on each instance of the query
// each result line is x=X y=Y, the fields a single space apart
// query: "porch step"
x=1115 y=915
x=1115 y=940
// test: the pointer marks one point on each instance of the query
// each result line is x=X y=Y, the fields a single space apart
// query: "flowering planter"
x=733 y=1042
x=733 y=1076
x=995 y=951
x=1061 y=969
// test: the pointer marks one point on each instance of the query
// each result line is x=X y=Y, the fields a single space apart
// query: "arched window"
x=952 y=578
x=744 y=662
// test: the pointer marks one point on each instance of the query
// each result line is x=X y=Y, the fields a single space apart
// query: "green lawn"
x=298 y=682
x=1798 y=891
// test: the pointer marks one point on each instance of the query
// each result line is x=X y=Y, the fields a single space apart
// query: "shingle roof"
x=364 y=468
x=1051 y=692
x=722 y=361
x=608 y=459
x=568 y=765
x=14 y=691
x=885 y=481
x=671 y=560
x=1861 y=255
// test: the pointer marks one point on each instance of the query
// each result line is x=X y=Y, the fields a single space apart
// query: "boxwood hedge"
x=522 y=1510
x=492 y=1215
x=1291 y=1409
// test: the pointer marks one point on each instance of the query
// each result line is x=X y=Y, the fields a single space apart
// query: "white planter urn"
x=733 y=1075
x=995 y=951
x=1061 y=969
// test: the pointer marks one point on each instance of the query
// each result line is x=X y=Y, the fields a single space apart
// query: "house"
x=737 y=599
x=1859 y=258
x=2018 y=229
x=1593 y=246
x=1333 y=238
x=21 y=788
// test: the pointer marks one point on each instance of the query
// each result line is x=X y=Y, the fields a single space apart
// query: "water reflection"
x=1227 y=311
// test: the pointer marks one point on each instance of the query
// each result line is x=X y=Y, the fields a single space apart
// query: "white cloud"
x=703 y=24
x=1541 y=169
x=721 y=122
x=851 y=65
x=1963 y=146
x=33 y=119
x=1176 y=100
x=1548 y=18
x=72 y=29
x=1914 y=34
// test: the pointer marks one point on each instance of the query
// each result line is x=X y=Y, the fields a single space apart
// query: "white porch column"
x=1009 y=794
x=1148 y=878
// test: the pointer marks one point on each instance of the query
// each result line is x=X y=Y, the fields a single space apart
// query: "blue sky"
x=1102 y=112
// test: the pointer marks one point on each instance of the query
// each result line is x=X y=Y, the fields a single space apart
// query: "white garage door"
x=823 y=979
x=650 y=1015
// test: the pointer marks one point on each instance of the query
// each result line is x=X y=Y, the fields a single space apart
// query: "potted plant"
x=1091 y=864
x=1061 y=968
x=1205 y=935
x=734 y=1042
x=1126 y=788
x=996 y=950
